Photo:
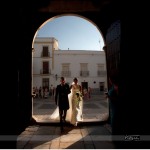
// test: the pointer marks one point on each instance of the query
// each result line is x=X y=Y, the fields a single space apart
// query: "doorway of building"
x=101 y=86
x=84 y=86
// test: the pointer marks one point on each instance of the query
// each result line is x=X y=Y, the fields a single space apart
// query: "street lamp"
x=56 y=77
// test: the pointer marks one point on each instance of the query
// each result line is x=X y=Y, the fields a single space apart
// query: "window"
x=65 y=70
x=100 y=67
x=84 y=70
x=45 y=52
x=100 y=70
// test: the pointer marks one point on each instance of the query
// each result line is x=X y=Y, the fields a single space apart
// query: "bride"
x=74 y=114
x=76 y=102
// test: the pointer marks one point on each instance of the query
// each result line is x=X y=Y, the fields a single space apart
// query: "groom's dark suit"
x=61 y=99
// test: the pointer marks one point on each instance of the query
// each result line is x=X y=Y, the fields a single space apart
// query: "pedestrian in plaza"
x=85 y=92
x=46 y=92
x=89 y=92
x=61 y=99
x=113 y=101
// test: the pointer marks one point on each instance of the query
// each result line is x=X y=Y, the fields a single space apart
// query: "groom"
x=61 y=99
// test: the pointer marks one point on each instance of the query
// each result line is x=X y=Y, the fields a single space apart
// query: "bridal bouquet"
x=80 y=93
x=78 y=98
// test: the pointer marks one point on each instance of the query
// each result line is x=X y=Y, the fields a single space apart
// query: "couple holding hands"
x=69 y=103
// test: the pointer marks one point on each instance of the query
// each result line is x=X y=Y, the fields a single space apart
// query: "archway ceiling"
x=103 y=12
x=75 y=5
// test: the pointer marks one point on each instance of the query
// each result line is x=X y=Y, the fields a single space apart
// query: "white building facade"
x=50 y=63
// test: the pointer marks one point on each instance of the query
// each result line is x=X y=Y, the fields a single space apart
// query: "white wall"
x=72 y=57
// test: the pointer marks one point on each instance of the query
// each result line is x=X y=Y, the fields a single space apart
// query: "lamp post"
x=56 y=77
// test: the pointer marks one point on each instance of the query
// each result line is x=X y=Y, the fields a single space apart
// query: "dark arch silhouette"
x=27 y=17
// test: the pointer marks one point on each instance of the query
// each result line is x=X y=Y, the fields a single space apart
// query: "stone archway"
x=102 y=110
x=29 y=15
x=34 y=16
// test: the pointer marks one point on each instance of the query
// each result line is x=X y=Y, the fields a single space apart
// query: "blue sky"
x=73 y=32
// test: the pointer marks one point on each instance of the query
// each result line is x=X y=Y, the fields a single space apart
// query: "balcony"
x=66 y=73
x=45 y=72
x=45 y=55
x=101 y=73
x=84 y=73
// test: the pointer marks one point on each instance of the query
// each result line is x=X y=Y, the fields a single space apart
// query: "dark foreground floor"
x=84 y=136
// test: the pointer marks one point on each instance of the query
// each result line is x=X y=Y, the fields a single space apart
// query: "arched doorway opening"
x=46 y=74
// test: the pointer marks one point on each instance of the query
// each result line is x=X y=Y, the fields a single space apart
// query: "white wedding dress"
x=77 y=105
x=74 y=113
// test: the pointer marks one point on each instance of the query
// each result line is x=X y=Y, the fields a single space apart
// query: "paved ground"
x=91 y=133
x=94 y=109
x=80 y=137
